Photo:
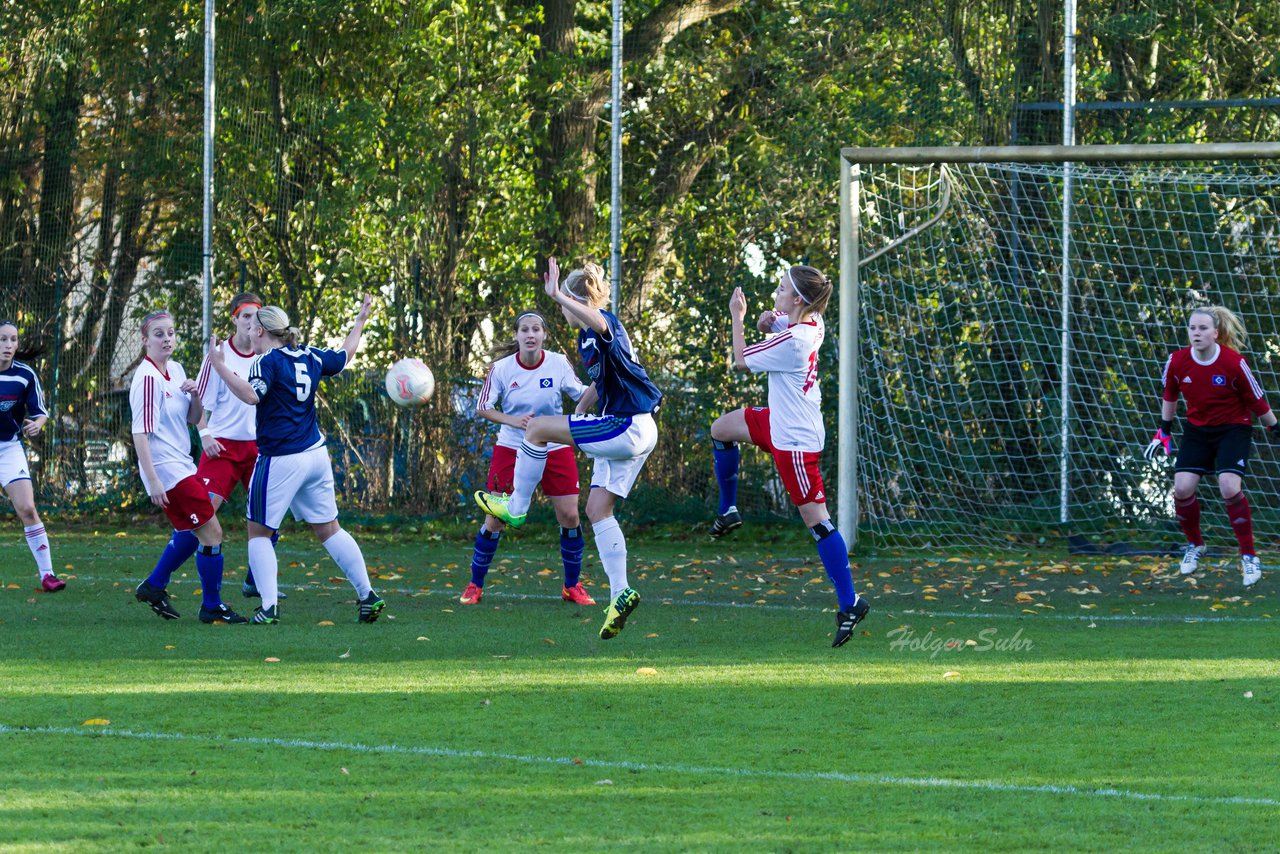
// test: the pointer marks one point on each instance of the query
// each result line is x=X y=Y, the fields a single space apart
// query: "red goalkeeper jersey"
x=1222 y=392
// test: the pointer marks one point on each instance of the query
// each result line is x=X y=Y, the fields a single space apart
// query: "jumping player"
x=163 y=404
x=228 y=427
x=790 y=427
x=527 y=381
x=23 y=414
x=619 y=439
x=293 y=471
x=1222 y=399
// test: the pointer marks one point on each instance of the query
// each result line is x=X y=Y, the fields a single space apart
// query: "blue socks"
x=486 y=548
x=181 y=546
x=835 y=560
x=209 y=567
x=571 y=548
x=726 y=460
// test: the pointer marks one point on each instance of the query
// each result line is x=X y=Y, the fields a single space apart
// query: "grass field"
x=991 y=702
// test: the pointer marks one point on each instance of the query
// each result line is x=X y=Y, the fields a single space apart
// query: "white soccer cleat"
x=1251 y=568
x=1191 y=559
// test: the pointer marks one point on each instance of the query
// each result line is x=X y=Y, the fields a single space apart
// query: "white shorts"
x=619 y=447
x=301 y=483
x=13 y=463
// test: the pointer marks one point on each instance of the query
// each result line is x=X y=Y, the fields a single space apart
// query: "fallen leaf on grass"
x=1248 y=695
x=951 y=674
x=604 y=782
x=169 y=646
x=325 y=623
x=271 y=659
x=423 y=637
x=549 y=641
x=96 y=722
x=344 y=770
x=577 y=761
x=346 y=654
x=652 y=635
x=647 y=671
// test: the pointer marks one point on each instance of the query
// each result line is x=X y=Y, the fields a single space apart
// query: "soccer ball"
x=410 y=383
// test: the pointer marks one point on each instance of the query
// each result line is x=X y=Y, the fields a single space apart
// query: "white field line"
x=660 y=767
x=751 y=606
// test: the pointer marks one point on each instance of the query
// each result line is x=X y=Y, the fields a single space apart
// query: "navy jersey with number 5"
x=285 y=381
x=623 y=385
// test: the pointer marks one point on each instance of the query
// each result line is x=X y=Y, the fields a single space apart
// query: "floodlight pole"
x=615 y=171
x=207 y=188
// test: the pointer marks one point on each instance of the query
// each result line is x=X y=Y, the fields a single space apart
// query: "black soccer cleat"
x=157 y=598
x=846 y=620
x=726 y=522
x=266 y=616
x=220 y=614
x=370 y=607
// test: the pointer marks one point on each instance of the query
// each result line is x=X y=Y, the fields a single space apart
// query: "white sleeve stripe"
x=40 y=405
x=1164 y=374
x=148 y=413
x=765 y=345
x=1253 y=383
x=483 y=400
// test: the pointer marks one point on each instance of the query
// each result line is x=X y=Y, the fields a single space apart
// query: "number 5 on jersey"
x=303 y=381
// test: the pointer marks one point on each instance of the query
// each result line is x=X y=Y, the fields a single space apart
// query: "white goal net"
x=974 y=425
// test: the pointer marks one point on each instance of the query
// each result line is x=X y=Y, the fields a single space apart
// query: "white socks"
x=266 y=572
x=531 y=461
x=346 y=554
x=38 y=542
x=613 y=553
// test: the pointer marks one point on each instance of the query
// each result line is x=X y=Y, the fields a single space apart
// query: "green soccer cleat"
x=615 y=616
x=266 y=616
x=370 y=607
x=496 y=506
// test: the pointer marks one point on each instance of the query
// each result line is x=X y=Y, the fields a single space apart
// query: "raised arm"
x=738 y=312
x=589 y=317
x=352 y=343
x=236 y=385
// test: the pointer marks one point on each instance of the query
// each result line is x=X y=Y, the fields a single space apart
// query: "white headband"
x=792 y=282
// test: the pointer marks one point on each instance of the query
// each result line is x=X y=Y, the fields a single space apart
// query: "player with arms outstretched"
x=1223 y=397
x=163 y=404
x=790 y=427
x=523 y=382
x=619 y=439
x=22 y=416
x=293 y=471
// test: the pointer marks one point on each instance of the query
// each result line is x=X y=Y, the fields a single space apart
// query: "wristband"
x=205 y=434
x=1167 y=426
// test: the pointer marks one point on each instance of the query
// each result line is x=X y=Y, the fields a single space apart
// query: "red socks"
x=1241 y=521
x=1188 y=513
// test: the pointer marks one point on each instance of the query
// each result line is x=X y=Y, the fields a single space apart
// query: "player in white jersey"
x=523 y=382
x=164 y=403
x=228 y=427
x=22 y=416
x=294 y=473
x=790 y=427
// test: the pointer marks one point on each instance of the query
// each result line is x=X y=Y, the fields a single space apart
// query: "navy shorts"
x=1215 y=449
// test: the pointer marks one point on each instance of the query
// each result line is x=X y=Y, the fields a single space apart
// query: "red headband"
x=151 y=318
x=242 y=305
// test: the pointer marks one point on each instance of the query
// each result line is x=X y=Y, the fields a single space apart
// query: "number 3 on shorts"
x=304 y=382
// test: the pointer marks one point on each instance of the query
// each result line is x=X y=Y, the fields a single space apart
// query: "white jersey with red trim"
x=160 y=413
x=790 y=358
x=229 y=416
x=517 y=389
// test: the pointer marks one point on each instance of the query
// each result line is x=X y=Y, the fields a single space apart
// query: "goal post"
x=975 y=403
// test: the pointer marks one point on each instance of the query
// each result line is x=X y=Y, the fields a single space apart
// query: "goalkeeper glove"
x=1273 y=432
x=1162 y=439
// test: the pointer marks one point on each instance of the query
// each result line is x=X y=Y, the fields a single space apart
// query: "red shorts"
x=189 y=506
x=799 y=469
x=234 y=465
x=559 y=478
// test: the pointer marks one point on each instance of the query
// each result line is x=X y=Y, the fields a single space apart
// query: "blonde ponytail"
x=275 y=321
x=1231 y=333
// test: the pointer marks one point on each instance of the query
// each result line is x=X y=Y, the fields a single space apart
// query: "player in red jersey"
x=1222 y=400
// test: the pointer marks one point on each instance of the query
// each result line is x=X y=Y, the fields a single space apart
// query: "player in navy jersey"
x=228 y=426
x=22 y=415
x=619 y=439
x=163 y=404
x=790 y=427
x=293 y=472
x=1222 y=400
x=523 y=382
